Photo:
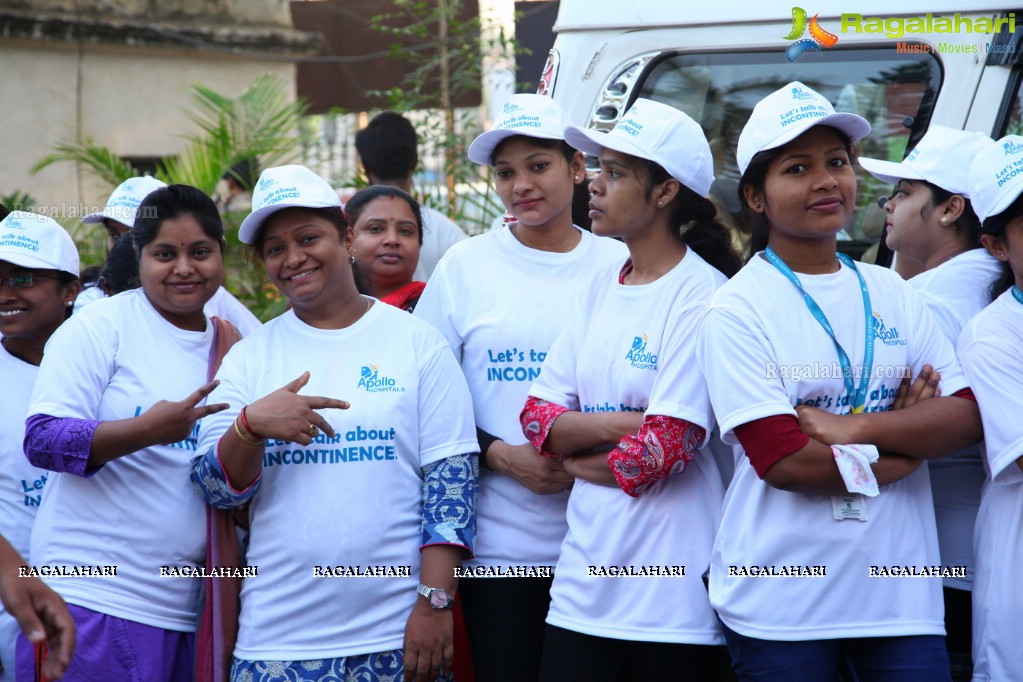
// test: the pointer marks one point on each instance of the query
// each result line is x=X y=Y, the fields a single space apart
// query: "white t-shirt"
x=225 y=306
x=763 y=352
x=990 y=351
x=645 y=361
x=113 y=360
x=440 y=233
x=954 y=292
x=354 y=501
x=500 y=305
x=22 y=484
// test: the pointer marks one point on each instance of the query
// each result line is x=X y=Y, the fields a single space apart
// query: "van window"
x=894 y=91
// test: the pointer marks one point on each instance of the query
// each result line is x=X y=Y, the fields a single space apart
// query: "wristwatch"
x=437 y=597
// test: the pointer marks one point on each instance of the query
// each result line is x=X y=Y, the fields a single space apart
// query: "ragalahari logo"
x=818 y=36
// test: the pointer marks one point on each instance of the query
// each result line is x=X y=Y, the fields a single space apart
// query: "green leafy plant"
x=260 y=123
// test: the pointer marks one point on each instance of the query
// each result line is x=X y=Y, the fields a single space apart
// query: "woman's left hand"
x=429 y=643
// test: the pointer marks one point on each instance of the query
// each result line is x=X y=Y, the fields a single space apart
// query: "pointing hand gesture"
x=286 y=415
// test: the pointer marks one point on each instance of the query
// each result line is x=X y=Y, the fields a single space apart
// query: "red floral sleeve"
x=663 y=446
x=537 y=418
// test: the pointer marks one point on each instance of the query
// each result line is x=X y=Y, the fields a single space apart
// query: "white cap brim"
x=25 y=261
x=482 y=148
x=93 y=218
x=249 y=229
x=889 y=171
x=856 y=127
x=590 y=141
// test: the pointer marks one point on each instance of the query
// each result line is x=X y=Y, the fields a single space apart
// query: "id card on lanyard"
x=854 y=505
x=857 y=394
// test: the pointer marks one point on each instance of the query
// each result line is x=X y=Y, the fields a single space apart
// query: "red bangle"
x=245 y=423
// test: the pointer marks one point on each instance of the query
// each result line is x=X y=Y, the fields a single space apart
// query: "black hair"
x=174 y=201
x=361 y=199
x=565 y=148
x=696 y=218
x=66 y=278
x=332 y=214
x=755 y=176
x=967 y=227
x=120 y=272
x=4 y=212
x=995 y=226
x=244 y=172
x=388 y=147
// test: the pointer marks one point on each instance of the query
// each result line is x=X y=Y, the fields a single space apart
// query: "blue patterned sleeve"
x=212 y=485
x=449 y=501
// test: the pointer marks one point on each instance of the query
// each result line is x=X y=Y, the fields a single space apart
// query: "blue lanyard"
x=857 y=396
x=1017 y=294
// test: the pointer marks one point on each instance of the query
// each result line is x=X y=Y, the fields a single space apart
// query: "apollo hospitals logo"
x=510 y=107
x=638 y=356
x=1011 y=147
x=373 y=382
x=266 y=183
x=889 y=336
x=818 y=36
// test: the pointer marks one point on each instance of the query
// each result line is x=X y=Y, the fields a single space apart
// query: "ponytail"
x=698 y=227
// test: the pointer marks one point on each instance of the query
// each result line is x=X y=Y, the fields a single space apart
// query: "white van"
x=900 y=65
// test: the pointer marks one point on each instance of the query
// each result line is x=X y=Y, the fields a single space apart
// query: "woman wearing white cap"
x=830 y=502
x=989 y=349
x=931 y=223
x=500 y=299
x=654 y=500
x=384 y=480
x=118 y=217
x=121 y=496
x=38 y=285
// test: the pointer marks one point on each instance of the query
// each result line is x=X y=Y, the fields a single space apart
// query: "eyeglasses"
x=25 y=281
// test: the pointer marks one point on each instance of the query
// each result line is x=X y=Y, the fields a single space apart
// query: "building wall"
x=119 y=74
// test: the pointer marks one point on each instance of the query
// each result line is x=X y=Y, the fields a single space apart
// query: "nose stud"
x=882 y=201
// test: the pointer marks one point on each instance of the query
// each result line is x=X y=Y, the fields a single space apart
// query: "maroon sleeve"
x=771 y=439
x=965 y=394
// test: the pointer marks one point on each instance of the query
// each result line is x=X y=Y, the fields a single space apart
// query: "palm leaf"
x=100 y=161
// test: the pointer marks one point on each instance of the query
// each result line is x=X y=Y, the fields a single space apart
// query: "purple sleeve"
x=60 y=444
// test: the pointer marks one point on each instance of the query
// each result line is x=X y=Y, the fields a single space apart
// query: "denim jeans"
x=915 y=658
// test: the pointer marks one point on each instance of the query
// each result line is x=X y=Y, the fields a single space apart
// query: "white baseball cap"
x=125 y=199
x=786 y=114
x=285 y=187
x=996 y=176
x=659 y=133
x=525 y=114
x=35 y=241
x=942 y=157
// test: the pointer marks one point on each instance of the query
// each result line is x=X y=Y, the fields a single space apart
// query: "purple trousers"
x=111 y=648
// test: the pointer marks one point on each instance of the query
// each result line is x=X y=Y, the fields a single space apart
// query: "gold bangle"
x=246 y=438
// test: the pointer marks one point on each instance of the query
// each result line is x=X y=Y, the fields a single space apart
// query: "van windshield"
x=895 y=91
